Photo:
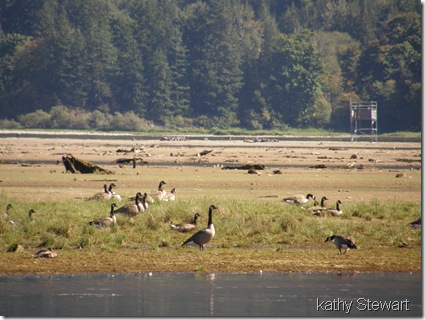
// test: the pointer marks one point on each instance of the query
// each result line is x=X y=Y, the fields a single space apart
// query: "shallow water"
x=221 y=294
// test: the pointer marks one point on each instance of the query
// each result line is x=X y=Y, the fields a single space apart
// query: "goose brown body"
x=160 y=194
x=45 y=253
x=318 y=209
x=5 y=215
x=204 y=236
x=105 y=222
x=132 y=209
x=335 y=212
x=299 y=199
x=186 y=227
x=105 y=195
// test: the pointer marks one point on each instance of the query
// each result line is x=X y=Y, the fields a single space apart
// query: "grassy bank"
x=251 y=235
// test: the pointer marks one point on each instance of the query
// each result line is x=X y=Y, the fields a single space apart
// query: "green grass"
x=239 y=224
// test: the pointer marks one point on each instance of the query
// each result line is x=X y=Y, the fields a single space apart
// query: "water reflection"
x=209 y=294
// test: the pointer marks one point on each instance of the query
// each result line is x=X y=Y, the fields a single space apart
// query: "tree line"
x=254 y=64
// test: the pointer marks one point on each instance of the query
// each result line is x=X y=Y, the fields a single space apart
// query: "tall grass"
x=239 y=224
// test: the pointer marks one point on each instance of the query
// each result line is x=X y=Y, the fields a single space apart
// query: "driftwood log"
x=75 y=165
x=245 y=167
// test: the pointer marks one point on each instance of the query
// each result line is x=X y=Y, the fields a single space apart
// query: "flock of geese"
x=340 y=242
x=141 y=204
x=201 y=237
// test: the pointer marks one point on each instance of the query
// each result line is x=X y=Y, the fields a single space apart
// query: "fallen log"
x=75 y=165
x=245 y=167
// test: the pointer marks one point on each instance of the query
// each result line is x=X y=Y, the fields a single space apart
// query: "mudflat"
x=205 y=171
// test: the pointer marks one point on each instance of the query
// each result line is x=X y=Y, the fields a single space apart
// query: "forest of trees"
x=253 y=64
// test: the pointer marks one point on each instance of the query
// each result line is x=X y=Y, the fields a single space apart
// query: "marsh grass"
x=239 y=224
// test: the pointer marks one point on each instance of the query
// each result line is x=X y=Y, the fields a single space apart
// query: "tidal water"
x=209 y=294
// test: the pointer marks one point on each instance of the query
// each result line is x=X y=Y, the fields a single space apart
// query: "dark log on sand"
x=245 y=167
x=75 y=165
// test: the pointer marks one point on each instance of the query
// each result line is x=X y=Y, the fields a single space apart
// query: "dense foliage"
x=256 y=64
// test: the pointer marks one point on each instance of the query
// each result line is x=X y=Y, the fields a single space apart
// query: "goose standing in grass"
x=105 y=195
x=171 y=196
x=132 y=209
x=417 y=223
x=105 y=222
x=113 y=194
x=342 y=242
x=160 y=193
x=317 y=209
x=5 y=215
x=299 y=199
x=30 y=213
x=335 y=212
x=204 y=236
x=186 y=227
x=45 y=253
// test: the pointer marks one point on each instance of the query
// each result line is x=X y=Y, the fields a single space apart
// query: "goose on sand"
x=45 y=253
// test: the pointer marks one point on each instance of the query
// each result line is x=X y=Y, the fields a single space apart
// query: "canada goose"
x=299 y=199
x=5 y=215
x=171 y=196
x=105 y=195
x=342 y=242
x=160 y=193
x=417 y=223
x=105 y=222
x=317 y=209
x=335 y=212
x=113 y=194
x=132 y=209
x=186 y=227
x=203 y=236
x=45 y=253
x=30 y=213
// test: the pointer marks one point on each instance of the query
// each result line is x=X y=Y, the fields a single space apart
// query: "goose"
x=113 y=194
x=186 y=227
x=45 y=253
x=203 y=236
x=299 y=199
x=335 y=212
x=342 y=242
x=417 y=223
x=318 y=209
x=30 y=213
x=132 y=209
x=105 y=195
x=5 y=216
x=171 y=196
x=105 y=222
x=160 y=194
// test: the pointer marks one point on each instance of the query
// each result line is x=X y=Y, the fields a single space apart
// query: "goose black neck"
x=112 y=210
x=210 y=216
x=144 y=201
x=105 y=188
x=137 y=198
x=322 y=203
